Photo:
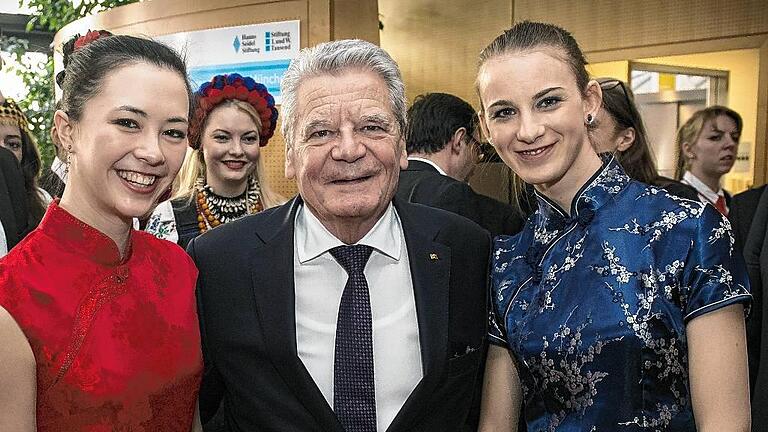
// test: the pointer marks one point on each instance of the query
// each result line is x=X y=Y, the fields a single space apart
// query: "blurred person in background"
x=2 y=98
x=742 y=212
x=756 y=258
x=442 y=153
x=749 y=221
x=707 y=146
x=55 y=177
x=618 y=128
x=15 y=136
x=223 y=177
x=13 y=202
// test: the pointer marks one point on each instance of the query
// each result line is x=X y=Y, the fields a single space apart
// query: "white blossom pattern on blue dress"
x=593 y=306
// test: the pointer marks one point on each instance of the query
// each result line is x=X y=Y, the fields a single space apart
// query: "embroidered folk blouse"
x=594 y=306
x=116 y=341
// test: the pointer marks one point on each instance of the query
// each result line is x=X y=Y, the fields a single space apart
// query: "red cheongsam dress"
x=116 y=341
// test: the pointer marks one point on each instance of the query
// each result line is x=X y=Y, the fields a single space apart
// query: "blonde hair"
x=194 y=164
x=691 y=130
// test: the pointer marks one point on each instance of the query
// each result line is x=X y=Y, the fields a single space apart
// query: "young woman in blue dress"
x=619 y=307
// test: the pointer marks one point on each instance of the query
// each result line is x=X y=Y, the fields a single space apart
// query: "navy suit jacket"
x=422 y=183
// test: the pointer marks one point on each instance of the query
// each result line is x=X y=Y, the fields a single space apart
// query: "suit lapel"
x=430 y=264
x=273 y=287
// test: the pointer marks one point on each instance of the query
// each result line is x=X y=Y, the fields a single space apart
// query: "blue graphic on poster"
x=261 y=51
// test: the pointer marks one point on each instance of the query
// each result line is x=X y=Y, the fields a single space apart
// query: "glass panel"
x=691 y=82
x=644 y=82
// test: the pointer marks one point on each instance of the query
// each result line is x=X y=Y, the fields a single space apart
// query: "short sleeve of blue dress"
x=593 y=304
x=714 y=276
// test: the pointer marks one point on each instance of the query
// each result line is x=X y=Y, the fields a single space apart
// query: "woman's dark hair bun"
x=76 y=42
x=66 y=50
x=60 y=78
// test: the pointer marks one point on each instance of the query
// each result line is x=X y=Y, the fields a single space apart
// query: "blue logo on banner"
x=236 y=44
x=268 y=41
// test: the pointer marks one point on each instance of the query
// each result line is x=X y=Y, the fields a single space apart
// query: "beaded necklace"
x=214 y=210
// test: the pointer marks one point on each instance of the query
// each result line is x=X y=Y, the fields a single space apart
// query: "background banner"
x=261 y=51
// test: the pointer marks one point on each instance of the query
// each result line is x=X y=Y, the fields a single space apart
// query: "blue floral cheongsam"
x=593 y=306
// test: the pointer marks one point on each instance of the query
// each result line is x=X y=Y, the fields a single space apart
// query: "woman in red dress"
x=98 y=329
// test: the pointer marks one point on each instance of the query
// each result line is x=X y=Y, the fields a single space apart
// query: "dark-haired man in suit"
x=442 y=152
x=741 y=212
x=755 y=252
x=345 y=309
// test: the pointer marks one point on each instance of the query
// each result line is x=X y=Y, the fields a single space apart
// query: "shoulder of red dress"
x=169 y=250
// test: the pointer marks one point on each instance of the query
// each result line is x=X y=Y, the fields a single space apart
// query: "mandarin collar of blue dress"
x=607 y=182
x=550 y=220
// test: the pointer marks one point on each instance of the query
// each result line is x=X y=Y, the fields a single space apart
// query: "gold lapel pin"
x=433 y=257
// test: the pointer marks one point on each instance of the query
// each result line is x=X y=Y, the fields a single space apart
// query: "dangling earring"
x=67 y=163
x=590 y=119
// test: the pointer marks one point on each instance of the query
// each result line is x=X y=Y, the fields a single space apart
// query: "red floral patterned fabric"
x=116 y=342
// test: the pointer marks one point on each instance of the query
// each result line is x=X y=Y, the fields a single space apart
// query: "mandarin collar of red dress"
x=80 y=238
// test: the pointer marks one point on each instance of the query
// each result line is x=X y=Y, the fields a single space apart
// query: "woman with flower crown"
x=223 y=177
x=98 y=330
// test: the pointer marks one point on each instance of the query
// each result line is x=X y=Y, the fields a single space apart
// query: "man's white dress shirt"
x=427 y=161
x=319 y=282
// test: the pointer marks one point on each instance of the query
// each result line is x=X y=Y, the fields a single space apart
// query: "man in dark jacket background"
x=442 y=153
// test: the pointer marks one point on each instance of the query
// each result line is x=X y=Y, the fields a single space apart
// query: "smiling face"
x=10 y=138
x=128 y=144
x=347 y=151
x=714 y=152
x=534 y=115
x=230 y=145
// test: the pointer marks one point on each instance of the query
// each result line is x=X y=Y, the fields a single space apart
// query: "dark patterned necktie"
x=354 y=393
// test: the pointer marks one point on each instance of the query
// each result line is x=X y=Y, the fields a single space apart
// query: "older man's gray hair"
x=335 y=56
